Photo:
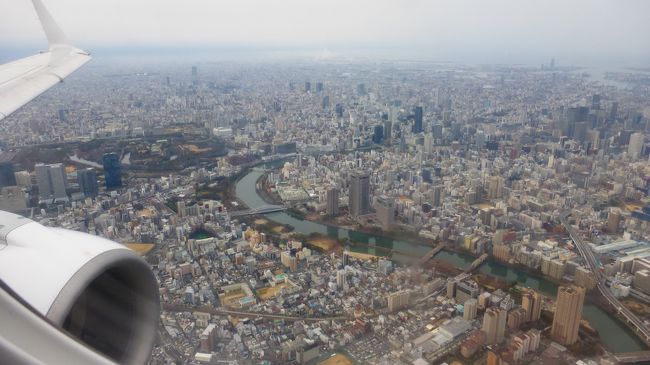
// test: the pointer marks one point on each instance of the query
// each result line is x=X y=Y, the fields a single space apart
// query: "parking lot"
x=368 y=350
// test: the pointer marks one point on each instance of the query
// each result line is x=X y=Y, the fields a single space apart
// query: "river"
x=614 y=334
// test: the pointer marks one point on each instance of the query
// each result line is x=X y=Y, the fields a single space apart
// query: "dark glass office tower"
x=378 y=134
x=7 y=177
x=112 y=170
x=359 y=199
x=88 y=182
x=417 y=124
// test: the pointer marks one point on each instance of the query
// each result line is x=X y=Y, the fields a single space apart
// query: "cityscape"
x=358 y=213
x=289 y=182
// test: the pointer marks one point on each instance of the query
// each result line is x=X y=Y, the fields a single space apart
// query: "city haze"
x=588 y=33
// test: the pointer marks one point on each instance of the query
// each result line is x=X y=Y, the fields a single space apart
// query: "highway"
x=259 y=210
x=634 y=322
x=221 y=311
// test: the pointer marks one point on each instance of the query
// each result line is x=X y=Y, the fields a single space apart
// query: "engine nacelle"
x=99 y=291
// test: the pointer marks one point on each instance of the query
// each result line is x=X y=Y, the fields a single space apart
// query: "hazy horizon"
x=582 y=33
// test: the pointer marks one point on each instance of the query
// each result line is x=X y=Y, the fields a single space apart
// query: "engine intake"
x=97 y=290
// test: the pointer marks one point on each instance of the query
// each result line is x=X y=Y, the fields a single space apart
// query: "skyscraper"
x=43 y=181
x=495 y=188
x=436 y=130
x=346 y=258
x=436 y=195
x=326 y=102
x=595 y=102
x=417 y=123
x=52 y=181
x=568 y=313
x=195 y=76
x=23 y=179
x=59 y=180
x=531 y=301
x=613 y=220
x=402 y=143
x=332 y=202
x=388 y=128
x=361 y=89
x=427 y=175
x=469 y=309
x=385 y=208
x=613 y=112
x=339 y=110
x=378 y=134
x=635 y=147
x=494 y=325
x=359 y=199
x=87 y=179
x=398 y=300
x=451 y=288
x=112 y=170
x=7 y=177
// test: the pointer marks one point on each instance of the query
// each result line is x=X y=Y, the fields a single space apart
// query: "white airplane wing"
x=27 y=78
x=105 y=307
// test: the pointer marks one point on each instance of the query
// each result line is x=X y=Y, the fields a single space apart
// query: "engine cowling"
x=97 y=290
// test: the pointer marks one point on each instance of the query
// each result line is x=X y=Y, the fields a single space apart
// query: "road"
x=587 y=254
x=221 y=311
x=632 y=357
x=259 y=210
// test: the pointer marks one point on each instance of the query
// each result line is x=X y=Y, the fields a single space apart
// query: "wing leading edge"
x=23 y=80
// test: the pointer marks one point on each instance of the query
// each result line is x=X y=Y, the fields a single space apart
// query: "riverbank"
x=263 y=190
x=616 y=336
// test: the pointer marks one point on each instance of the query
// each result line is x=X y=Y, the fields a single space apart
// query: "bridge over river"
x=258 y=210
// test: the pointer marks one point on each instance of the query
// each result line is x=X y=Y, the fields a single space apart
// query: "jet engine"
x=99 y=291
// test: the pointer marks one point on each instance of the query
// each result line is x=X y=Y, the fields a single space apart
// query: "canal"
x=614 y=334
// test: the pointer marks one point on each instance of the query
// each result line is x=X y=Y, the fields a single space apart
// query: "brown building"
x=503 y=355
x=613 y=220
x=531 y=301
x=584 y=278
x=494 y=325
x=207 y=338
x=553 y=268
x=474 y=342
x=501 y=252
x=492 y=358
x=516 y=318
x=568 y=313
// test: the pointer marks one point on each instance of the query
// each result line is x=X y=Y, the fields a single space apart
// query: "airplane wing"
x=23 y=80
x=105 y=308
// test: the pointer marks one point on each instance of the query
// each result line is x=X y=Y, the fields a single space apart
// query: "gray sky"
x=575 y=29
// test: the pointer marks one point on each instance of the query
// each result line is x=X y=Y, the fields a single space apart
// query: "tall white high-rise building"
x=635 y=147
